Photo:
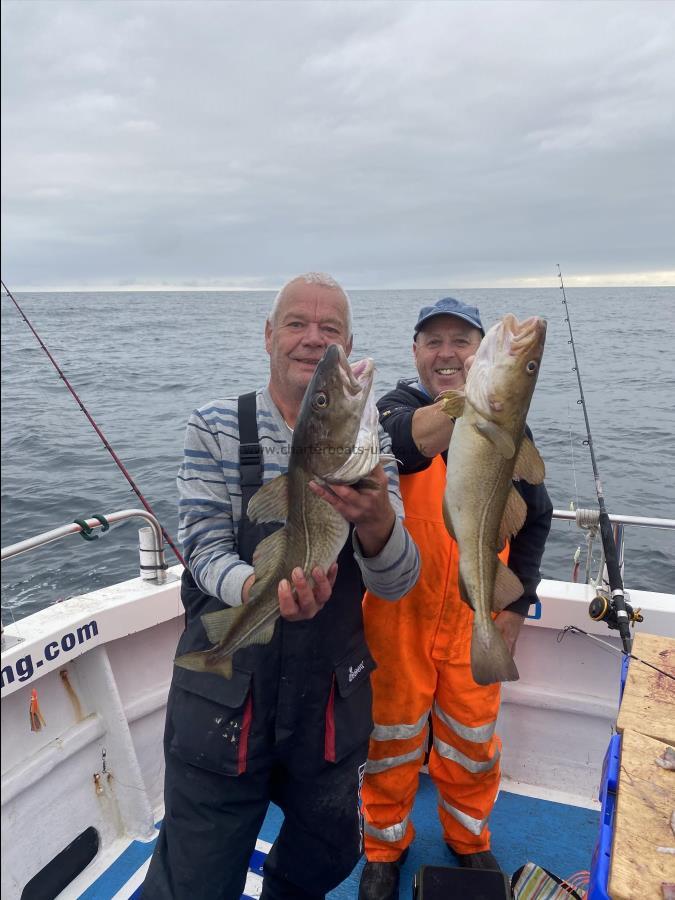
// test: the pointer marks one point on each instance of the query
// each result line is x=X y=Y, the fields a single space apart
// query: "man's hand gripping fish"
x=489 y=449
x=335 y=441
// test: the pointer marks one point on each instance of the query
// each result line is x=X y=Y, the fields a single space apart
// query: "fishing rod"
x=98 y=431
x=616 y=612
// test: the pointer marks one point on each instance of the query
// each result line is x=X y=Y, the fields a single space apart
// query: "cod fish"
x=481 y=507
x=335 y=441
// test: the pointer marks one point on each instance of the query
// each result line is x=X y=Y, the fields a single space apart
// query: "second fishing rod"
x=106 y=444
x=616 y=613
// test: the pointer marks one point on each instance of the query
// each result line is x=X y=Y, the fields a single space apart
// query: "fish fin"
x=452 y=403
x=262 y=637
x=217 y=624
x=200 y=662
x=270 y=502
x=490 y=658
x=513 y=519
x=529 y=464
x=448 y=520
x=268 y=559
x=498 y=437
x=508 y=588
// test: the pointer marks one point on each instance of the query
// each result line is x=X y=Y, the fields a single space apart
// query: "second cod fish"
x=488 y=449
x=335 y=441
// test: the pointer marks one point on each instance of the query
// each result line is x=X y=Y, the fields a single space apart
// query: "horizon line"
x=264 y=290
x=662 y=278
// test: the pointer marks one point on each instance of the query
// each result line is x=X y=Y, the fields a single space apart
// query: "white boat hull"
x=101 y=666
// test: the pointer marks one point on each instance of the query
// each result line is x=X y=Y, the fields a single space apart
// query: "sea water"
x=141 y=362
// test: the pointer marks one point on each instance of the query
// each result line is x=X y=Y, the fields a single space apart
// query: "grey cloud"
x=396 y=144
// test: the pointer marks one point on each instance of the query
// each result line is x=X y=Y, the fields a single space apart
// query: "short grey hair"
x=318 y=278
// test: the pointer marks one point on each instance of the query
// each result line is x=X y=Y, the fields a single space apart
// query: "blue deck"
x=559 y=837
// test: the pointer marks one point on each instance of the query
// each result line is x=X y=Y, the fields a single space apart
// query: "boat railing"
x=151 y=543
x=589 y=521
x=585 y=517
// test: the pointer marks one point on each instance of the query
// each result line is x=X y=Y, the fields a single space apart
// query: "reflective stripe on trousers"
x=399 y=732
x=447 y=751
x=475 y=826
x=481 y=734
x=391 y=834
x=389 y=762
x=478 y=734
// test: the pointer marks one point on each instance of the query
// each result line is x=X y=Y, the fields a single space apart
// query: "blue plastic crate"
x=610 y=767
x=597 y=888
x=624 y=674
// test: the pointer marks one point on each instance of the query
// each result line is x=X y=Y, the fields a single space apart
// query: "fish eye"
x=320 y=400
x=531 y=367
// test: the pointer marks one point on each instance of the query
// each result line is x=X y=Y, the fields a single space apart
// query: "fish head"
x=502 y=378
x=336 y=433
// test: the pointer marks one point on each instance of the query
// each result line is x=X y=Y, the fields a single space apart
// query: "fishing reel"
x=602 y=609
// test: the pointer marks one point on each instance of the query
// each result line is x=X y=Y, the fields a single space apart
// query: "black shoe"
x=379 y=880
x=483 y=860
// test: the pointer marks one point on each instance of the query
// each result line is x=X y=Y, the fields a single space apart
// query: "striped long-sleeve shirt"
x=210 y=503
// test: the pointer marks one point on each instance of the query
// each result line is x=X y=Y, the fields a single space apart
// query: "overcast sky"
x=393 y=144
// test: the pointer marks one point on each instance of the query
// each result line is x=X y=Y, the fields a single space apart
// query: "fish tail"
x=204 y=661
x=491 y=660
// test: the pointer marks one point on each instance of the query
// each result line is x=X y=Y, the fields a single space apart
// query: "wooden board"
x=645 y=801
x=648 y=703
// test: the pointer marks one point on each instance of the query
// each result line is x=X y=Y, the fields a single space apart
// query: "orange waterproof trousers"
x=422 y=644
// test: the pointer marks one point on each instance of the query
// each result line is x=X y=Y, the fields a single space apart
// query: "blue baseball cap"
x=448 y=306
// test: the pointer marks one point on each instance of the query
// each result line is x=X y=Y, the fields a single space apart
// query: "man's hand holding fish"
x=300 y=598
x=366 y=506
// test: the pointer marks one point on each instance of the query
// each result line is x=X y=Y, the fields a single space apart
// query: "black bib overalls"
x=290 y=726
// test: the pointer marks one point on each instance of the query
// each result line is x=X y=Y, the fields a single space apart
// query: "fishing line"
x=617 y=607
x=98 y=431
x=574 y=504
x=574 y=468
x=593 y=637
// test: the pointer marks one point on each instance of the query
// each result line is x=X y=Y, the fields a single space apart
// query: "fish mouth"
x=526 y=337
x=356 y=377
x=357 y=382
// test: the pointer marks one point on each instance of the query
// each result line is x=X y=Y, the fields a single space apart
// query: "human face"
x=441 y=350
x=308 y=318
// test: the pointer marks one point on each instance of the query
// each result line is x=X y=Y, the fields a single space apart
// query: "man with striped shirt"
x=292 y=725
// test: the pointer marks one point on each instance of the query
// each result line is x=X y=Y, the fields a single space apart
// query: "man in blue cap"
x=422 y=644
